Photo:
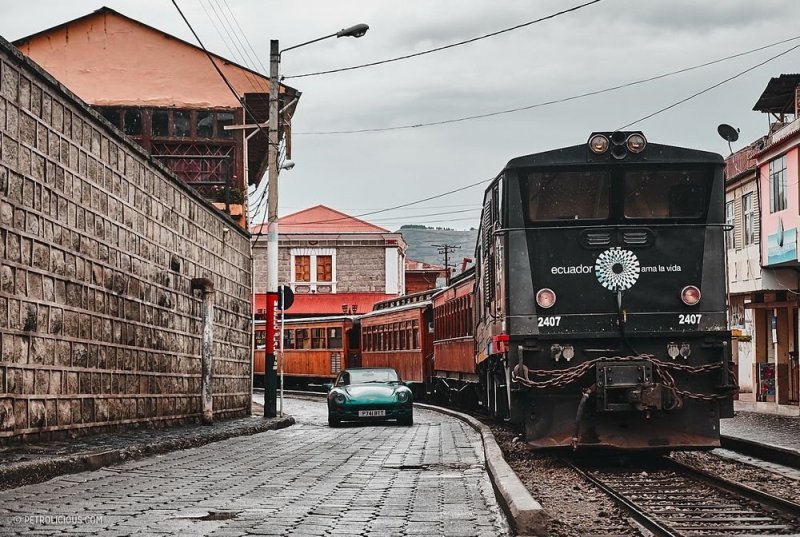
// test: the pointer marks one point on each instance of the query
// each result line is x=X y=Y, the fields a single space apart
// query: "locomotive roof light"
x=598 y=144
x=636 y=143
x=690 y=295
x=546 y=298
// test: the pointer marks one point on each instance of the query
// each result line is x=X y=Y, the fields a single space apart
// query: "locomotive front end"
x=606 y=322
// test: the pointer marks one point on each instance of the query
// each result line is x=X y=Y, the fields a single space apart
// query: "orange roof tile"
x=322 y=219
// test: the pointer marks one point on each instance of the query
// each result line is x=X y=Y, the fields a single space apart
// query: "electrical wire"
x=244 y=35
x=219 y=71
x=451 y=45
x=555 y=101
x=228 y=42
x=416 y=202
x=706 y=90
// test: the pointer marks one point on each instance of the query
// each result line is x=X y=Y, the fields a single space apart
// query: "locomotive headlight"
x=672 y=350
x=568 y=352
x=690 y=295
x=339 y=398
x=546 y=298
x=636 y=143
x=598 y=144
x=686 y=350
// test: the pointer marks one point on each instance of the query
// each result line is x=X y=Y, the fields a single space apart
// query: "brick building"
x=164 y=93
x=100 y=246
x=334 y=263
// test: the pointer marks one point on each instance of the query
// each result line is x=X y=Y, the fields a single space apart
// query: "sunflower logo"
x=617 y=269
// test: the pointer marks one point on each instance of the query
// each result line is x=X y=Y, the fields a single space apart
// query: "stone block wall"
x=98 y=246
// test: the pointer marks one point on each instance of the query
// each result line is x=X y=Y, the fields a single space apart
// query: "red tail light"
x=690 y=295
x=546 y=298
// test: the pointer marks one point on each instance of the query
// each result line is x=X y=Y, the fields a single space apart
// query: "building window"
x=324 y=268
x=748 y=217
x=730 y=236
x=313 y=270
x=183 y=124
x=302 y=268
x=159 y=121
x=133 y=122
x=777 y=184
x=205 y=125
x=224 y=119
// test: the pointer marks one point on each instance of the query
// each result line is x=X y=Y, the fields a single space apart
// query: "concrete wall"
x=98 y=246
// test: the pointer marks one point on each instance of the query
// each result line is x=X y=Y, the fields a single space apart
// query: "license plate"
x=371 y=413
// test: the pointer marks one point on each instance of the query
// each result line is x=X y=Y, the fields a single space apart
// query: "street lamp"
x=270 y=374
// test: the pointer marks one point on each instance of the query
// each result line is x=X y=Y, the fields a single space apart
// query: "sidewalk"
x=37 y=462
x=767 y=429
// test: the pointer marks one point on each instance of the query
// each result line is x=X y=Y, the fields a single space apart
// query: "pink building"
x=775 y=313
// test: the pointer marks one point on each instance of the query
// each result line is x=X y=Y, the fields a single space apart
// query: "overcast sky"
x=606 y=44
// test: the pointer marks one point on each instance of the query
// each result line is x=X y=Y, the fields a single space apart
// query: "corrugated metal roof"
x=778 y=97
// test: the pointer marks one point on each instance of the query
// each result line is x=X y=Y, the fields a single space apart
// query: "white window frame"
x=748 y=216
x=730 y=222
x=778 y=195
x=312 y=253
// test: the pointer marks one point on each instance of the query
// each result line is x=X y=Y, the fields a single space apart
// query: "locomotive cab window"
x=666 y=193
x=568 y=195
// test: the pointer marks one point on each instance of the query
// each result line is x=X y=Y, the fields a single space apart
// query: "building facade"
x=165 y=94
x=763 y=260
x=333 y=262
x=100 y=248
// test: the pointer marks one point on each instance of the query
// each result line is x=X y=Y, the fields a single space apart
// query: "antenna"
x=728 y=133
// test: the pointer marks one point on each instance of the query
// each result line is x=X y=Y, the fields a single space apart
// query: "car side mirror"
x=328 y=386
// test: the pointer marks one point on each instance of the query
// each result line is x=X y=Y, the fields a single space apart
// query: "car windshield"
x=362 y=376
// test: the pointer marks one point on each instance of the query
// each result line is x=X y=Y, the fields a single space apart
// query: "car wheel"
x=407 y=420
x=334 y=422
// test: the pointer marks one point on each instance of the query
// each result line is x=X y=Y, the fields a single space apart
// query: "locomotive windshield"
x=664 y=193
x=635 y=193
x=568 y=195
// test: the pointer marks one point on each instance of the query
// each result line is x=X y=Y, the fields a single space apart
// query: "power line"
x=706 y=90
x=452 y=45
x=219 y=71
x=554 y=101
x=416 y=202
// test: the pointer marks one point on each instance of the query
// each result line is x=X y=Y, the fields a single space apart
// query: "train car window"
x=261 y=339
x=416 y=335
x=665 y=193
x=568 y=195
x=334 y=338
x=288 y=339
x=301 y=336
x=317 y=338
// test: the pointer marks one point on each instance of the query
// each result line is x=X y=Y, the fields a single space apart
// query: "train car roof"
x=580 y=154
x=301 y=320
x=403 y=307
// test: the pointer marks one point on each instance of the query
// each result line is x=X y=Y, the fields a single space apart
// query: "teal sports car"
x=369 y=394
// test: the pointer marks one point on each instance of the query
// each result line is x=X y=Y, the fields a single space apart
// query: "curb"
x=526 y=515
x=31 y=472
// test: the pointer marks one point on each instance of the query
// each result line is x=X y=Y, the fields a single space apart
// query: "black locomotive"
x=600 y=296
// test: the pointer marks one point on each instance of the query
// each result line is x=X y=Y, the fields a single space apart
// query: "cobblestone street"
x=308 y=479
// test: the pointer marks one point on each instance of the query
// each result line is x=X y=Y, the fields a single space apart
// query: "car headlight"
x=402 y=396
x=339 y=398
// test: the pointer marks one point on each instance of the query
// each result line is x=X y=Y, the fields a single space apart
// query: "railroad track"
x=673 y=499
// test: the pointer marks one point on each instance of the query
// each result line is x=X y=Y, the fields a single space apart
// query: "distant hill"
x=421 y=241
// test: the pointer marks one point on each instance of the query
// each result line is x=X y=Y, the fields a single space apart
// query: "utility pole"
x=270 y=373
x=273 y=332
x=446 y=249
